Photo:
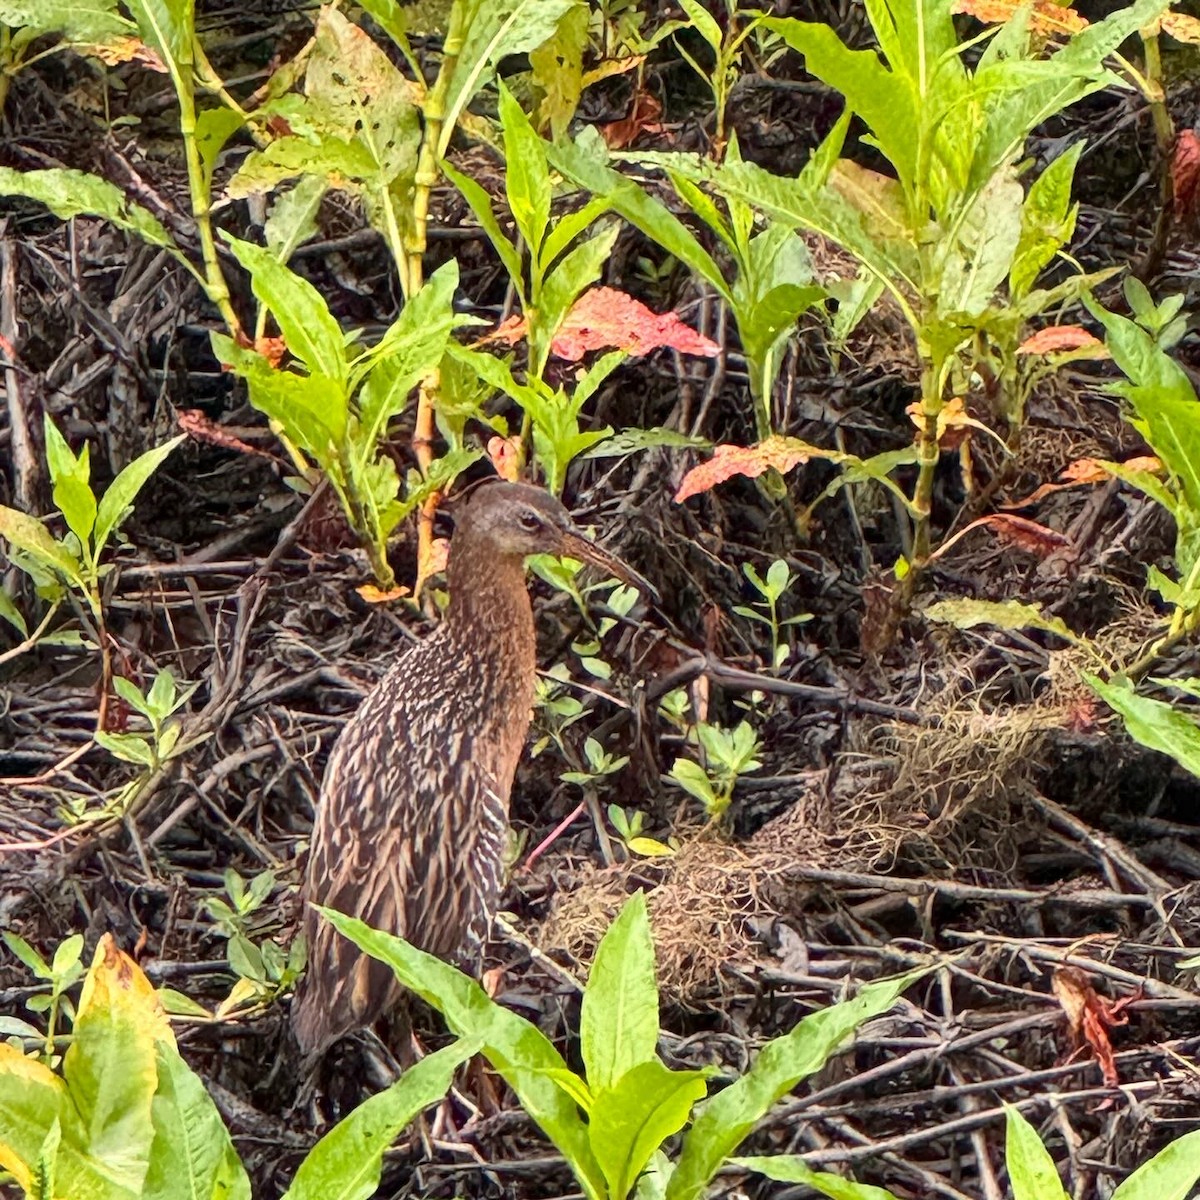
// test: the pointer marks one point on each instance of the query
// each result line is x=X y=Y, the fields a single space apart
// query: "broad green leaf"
x=618 y=1025
x=27 y=954
x=1163 y=397
x=293 y=216
x=730 y=1115
x=556 y=69
x=308 y=327
x=576 y=271
x=491 y=30
x=630 y=1120
x=30 y=535
x=31 y=1100
x=88 y=21
x=119 y=497
x=70 y=194
x=168 y=26
x=214 y=127
x=409 y=351
x=347 y=1162
x=517 y=1049
x=192 y=1156
x=1170 y=1175
x=882 y=98
x=480 y=204
x=1152 y=723
x=791 y=1168
x=70 y=476
x=526 y=173
x=693 y=778
x=966 y=613
x=110 y=1066
x=1031 y=1170
x=327 y=156
x=981 y=256
x=1047 y=220
x=704 y=22
x=585 y=163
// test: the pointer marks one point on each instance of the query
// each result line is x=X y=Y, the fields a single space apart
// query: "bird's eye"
x=530 y=522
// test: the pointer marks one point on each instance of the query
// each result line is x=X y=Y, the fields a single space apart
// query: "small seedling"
x=729 y=754
x=1163 y=322
x=152 y=749
x=628 y=824
x=766 y=610
x=59 y=975
x=599 y=762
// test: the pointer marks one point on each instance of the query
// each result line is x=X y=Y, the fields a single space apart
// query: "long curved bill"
x=575 y=545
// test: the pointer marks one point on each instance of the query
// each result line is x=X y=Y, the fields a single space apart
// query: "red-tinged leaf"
x=1028 y=535
x=510 y=332
x=1085 y=471
x=1047 y=17
x=196 y=425
x=1082 y=715
x=618 y=135
x=433 y=561
x=778 y=453
x=1058 y=338
x=505 y=454
x=1185 y=173
x=1090 y=1016
x=605 y=319
x=271 y=348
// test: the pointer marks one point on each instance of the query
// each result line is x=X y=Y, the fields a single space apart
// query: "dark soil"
x=960 y=798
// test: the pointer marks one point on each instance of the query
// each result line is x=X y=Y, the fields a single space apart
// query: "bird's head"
x=515 y=519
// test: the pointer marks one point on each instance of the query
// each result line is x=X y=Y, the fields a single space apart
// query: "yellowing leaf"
x=373 y=595
x=1181 y=27
x=1046 y=17
x=774 y=453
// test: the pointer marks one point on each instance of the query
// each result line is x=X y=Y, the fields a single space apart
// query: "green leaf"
x=576 y=272
x=1031 y=1170
x=966 y=613
x=88 y=21
x=118 y=500
x=347 y=1162
x=1152 y=723
x=308 y=327
x=66 y=954
x=630 y=1120
x=618 y=1025
x=70 y=476
x=30 y=535
x=1169 y=1175
x=192 y=1156
x=982 y=253
x=214 y=127
x=631 y=441
x=293 y=216
x=128 y=747
x=481 y=205
x=556 y=68
x=110 y=1067
x=27 y=954
x=517 y=1049
x=168 y=26
x=791 y=1168
x=70 y=194
x=585 y=163
x=1047 y=221
x=694 y=780
x=526 y=173
x=12 y=614
x=491 y=30
x=730 y=1115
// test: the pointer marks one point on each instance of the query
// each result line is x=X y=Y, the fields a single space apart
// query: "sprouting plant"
x=339 y=402
x=765 y=610
x=726 y=46
x=263 y=969
x=613 y=1122
x=599 y=763
x=1166 y=323
x=151 y=749
x=674 y=707
x=1032 y=1175
x=630 y=825
x=728 y=754
x=127 y=1117
x=59 y=975
x=74 y=561
x=556 y=708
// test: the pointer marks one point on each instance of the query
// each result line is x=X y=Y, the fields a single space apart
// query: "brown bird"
x=411 y=822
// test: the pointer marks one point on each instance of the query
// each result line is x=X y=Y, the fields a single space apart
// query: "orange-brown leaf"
x=1028 y=535
x=1185 y=173
x=779 y=453
x=373 y=595
x=620 y=134
x=1181 y=27
x=1047 y=17
x=1090 y=1016
x=126 y=49
x=1058 y=338
x=505 y=454
x=196 y=425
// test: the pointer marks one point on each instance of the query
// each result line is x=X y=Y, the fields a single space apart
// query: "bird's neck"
x=488 y=596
